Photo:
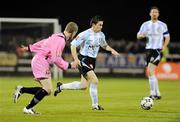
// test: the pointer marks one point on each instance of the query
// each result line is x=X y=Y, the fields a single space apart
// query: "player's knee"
x=49 y=91
x=94 y=80
x=151 y=72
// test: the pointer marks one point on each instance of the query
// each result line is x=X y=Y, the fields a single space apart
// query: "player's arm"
x=167 y=37
x=57 y=49
x=74 y=53
x=74 y=44
x=142 y=33
x=64 y=65
x=105 y=46
x=36 y=46
x=113 y=52
x=141 y=36
x=166 y=42
x=31 y=47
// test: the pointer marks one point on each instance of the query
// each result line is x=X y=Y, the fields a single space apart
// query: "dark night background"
x=122 y=18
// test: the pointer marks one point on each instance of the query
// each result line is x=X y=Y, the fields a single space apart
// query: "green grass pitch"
x=119 y=96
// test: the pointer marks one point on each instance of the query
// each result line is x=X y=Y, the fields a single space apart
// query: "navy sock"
x=37 y=98
x=30 y=90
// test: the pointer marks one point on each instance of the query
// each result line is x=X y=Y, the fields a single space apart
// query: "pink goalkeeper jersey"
x=48 y=51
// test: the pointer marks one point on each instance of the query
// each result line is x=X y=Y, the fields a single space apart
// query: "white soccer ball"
x=147 y=103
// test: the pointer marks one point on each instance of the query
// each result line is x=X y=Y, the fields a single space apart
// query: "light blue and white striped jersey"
x=89 y=42
x=155 y=33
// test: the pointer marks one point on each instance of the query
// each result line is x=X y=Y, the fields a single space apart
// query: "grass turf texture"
x=119 y=96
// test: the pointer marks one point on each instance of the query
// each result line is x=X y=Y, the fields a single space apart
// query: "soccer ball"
x=147 y=103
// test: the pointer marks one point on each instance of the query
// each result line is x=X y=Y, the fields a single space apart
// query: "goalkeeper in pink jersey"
x=47 y=51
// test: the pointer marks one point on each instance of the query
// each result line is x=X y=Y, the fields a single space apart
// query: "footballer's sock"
x=37 y=98
x=74 y=85
x=30 y=90
x=94 y=94
x=157 y=87
x=152 y=85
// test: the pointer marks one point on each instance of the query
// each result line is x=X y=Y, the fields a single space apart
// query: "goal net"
x=23 y=31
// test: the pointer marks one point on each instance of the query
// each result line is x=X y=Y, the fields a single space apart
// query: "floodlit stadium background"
x=123 y=80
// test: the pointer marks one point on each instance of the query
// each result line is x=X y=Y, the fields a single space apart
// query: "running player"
x=89 y=42
x=47 y=51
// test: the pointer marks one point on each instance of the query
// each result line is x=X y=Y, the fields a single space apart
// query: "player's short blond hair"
x=71 y=27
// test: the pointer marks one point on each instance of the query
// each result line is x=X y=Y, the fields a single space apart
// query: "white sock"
x=152 y=85
x=71 y=86
x=94 y=94
x=156 y=87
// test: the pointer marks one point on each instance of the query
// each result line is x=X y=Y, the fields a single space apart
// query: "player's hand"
x=23 y=48
x=141 y=35
x=75 y=64
x=115 y=53
x=78 y=62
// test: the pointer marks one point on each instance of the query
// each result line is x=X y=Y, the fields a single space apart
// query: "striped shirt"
x=90 y=42
x=155 y=33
